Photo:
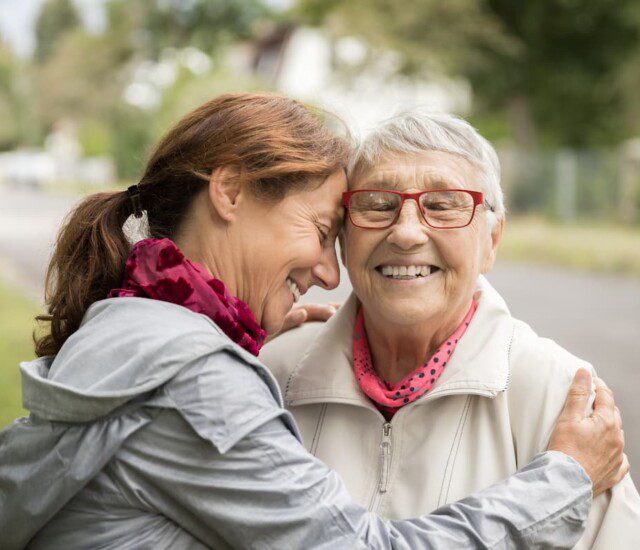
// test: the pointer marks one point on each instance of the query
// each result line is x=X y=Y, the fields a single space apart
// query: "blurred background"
x=87 y=86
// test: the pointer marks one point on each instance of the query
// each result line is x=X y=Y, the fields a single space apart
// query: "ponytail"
x=88 y=261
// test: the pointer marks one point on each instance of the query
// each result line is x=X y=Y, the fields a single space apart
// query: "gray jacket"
x=151 y=429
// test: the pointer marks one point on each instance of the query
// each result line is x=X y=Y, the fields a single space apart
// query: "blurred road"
x=596 y=317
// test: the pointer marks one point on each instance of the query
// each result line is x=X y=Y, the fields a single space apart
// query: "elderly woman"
x=423 y=388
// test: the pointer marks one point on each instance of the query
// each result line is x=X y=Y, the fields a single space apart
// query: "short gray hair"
x=419 y=130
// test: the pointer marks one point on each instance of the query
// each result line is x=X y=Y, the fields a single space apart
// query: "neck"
x=397 y=350
x=206 y=241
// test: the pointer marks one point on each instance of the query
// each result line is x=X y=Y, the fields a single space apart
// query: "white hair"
x=419 y=130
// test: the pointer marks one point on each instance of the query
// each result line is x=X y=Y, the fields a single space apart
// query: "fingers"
x=618 y=418
x=622 y=471
x=626 y=467
x=604 y=398
x=578 y=396
x=318 y=312
x=293 y=319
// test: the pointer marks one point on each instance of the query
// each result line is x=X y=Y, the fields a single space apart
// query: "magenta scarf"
x=157 y=269
x=389 y=398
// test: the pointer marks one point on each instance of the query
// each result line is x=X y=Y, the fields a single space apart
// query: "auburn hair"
x=279 y=145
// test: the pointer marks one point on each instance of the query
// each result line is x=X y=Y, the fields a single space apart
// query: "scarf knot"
x=388 y=398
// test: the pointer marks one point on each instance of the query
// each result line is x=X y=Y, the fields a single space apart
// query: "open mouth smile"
x=294 y=288
x=406 y=272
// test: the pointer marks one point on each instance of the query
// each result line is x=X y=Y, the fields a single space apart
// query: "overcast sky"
x=18 y=18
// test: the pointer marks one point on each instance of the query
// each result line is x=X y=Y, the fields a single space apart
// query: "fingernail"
x=582 y=376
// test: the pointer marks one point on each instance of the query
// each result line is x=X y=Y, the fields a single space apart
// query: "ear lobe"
x=225 y=191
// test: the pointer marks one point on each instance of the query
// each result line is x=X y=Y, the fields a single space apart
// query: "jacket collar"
x=479 y=365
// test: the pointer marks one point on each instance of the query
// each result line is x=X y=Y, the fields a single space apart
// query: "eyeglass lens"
x=440 y=208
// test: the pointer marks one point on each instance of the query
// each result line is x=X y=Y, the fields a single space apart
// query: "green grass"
x=588 y=246
x=16 y=325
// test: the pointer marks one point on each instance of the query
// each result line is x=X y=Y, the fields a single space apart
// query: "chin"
x=407 y=312
x=273 y=319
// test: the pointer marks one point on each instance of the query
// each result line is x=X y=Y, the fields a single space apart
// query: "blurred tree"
x=87 y=77
x=19 y=124
x=84 y=77
x=202 y=24
x=9 y=127
x=56 y=18
x=552 y=66
x=565 y=77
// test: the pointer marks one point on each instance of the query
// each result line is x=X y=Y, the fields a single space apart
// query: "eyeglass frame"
x=478 y=200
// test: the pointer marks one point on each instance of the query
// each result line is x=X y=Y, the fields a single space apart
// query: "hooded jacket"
x=151 y=429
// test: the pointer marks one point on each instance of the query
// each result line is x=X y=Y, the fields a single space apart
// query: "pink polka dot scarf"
x=157 y=269
x=389 y=398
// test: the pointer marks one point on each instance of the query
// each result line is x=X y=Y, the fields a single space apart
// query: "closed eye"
x=324 y=234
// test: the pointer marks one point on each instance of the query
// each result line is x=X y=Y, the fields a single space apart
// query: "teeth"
x=293 y=287
x=405 y=272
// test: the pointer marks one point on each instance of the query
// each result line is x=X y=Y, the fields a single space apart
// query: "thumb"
x=578 y=397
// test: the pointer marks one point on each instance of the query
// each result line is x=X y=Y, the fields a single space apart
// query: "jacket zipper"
x=385 y=465
x=385 y=457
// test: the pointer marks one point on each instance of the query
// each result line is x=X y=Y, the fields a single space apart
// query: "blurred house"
x=345 y=76
x=60 y=161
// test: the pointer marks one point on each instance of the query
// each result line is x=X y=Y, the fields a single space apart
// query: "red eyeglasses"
x=440 y=209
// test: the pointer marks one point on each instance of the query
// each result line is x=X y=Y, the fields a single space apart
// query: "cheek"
x=359 y=250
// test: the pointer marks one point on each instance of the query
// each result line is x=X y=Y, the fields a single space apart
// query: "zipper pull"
x=385 y=456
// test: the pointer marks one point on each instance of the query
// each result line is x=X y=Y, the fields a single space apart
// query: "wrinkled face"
x=290 y=246
x=447 y=262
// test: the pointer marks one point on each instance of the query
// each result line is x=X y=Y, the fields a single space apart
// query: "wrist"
x=573 y=463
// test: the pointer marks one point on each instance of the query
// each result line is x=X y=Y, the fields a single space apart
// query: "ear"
x=496 y=235
x=225 y=191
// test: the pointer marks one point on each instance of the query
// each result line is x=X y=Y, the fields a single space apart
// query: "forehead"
x=431 y=169
x=324 y=199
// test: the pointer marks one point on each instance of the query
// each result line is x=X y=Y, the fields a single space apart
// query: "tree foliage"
x=202 y=24
x=83 y=76
x=56 y=18
x=558 y=69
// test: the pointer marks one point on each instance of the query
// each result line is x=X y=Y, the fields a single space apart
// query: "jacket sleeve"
x=267 y=491
x=541 y=374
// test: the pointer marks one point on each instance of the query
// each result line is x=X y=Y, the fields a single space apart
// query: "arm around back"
x=265 y=491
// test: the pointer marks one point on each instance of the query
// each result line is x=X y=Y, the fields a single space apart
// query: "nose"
x=410 y=230
x=326 y=273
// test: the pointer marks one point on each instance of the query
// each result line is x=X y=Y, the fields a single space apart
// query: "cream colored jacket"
x=492 y=409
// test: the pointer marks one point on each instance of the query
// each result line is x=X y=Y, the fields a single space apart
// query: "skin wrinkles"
x=253 y=245
x=407 y=320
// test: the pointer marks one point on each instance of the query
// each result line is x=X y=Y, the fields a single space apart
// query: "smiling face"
x=410 y=273
x=288 y=246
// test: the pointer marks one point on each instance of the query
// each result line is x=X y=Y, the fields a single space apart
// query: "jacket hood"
x=124 y=349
